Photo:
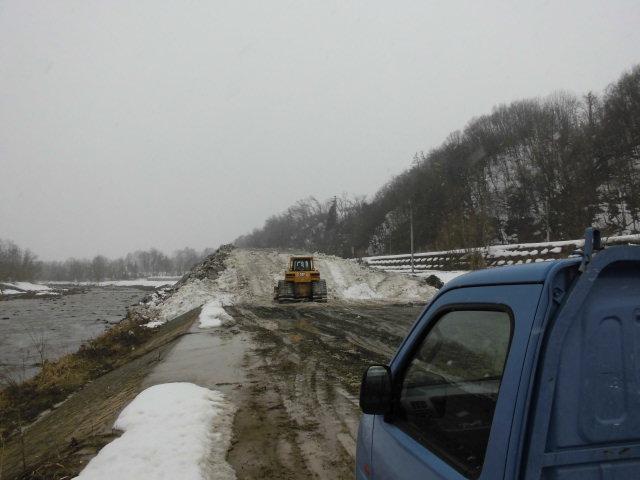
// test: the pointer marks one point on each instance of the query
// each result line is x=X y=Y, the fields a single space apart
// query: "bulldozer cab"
x=301 y=264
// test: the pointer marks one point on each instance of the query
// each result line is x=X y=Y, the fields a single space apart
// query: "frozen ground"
x=170 y=431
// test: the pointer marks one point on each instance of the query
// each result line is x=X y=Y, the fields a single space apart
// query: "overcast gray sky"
x=125 y=125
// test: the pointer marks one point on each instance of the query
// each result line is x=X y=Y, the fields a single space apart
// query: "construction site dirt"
x=297 y=404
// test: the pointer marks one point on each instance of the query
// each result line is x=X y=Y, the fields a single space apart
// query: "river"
x=56 y=326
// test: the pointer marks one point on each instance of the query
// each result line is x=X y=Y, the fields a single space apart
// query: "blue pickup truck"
x=522 y=372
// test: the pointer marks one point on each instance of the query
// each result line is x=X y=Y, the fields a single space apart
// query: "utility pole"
x=411 y=233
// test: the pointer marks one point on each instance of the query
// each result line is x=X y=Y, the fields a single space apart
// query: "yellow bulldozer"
x=301 y=282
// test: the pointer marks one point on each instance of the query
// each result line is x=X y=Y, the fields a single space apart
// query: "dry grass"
x=21 y=403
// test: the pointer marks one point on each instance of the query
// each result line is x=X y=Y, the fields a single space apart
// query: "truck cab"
x=520 y=372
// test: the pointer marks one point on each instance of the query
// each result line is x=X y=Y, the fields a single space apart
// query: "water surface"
x=60 y=325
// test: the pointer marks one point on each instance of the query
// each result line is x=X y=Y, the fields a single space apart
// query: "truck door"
x=585 y=422
x=455 y=381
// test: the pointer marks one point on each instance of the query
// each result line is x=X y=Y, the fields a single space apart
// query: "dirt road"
x=297 y=410
x=292 y=371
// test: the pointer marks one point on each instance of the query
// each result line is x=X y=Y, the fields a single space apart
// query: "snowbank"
x=194 y=294
x=24 y=287
x=349 y=280
x=8 y=291
x=138 y=282
x=171 y=431
x=31 y=287
x=213 y=314
x=360 y=291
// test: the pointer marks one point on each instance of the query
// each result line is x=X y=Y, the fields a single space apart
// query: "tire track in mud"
x=299 y=414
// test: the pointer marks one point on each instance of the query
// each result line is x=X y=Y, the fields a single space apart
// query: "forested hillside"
x=533 y=170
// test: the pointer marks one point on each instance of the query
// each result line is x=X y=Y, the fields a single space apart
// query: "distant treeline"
x=533 y=170
x=17 y=264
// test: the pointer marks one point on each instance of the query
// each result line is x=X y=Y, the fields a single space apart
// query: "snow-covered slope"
x=250 y=275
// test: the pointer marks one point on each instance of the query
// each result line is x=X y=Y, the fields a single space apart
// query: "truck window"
x=450 y=387
x=301 y=265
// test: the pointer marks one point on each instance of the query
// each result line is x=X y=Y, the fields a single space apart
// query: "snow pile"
x=256 y=272
x=171 y=431
x=193 y=294
x=349 y=280
x=360 y=291
x=213 y=314
x=249 y=276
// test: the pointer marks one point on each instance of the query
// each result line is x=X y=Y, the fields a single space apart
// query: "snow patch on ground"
x=153 y=324
x=138 y=282
x=24 y=287
x=171 y=431
x=213 y=314
x=8 y=291
x=31 y=287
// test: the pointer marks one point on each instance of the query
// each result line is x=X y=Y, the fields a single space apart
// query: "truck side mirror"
x=375 y=390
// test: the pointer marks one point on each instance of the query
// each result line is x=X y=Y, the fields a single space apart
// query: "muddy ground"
x=297 y=399
x=292 y=372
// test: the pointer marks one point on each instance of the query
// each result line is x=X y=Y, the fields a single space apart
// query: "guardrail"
x=492 y=256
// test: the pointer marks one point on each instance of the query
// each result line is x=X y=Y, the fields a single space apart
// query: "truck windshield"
x=451 y=385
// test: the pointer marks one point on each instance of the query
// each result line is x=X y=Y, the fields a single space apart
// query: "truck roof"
x=529 y=273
